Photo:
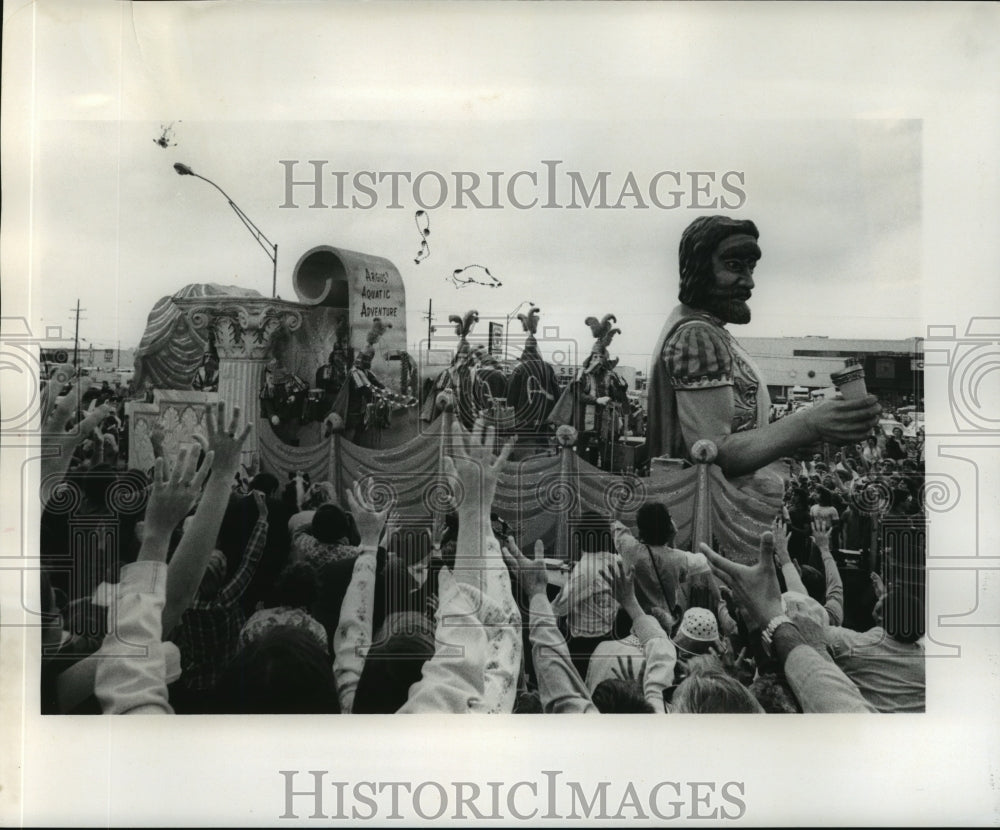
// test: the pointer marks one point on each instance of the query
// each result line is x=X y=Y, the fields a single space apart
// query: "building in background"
x=565 y=373
x=893 y=368
x=100 y=362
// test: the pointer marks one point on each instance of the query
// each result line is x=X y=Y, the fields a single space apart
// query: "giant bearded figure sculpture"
x=703 y=384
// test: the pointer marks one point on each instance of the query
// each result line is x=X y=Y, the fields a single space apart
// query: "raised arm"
x=559 y=684
x=454 y=679
x=477 y=470
x=187 y=567
x=793 y=580
x=353 y=636
x=834 y=584
x=817 y=682
x=236 y=586
x=628 y=547
x=132 y=683
x=560 y=605
x=58 y=444
x=478 y=561
x=660 y=652
x=127 y=682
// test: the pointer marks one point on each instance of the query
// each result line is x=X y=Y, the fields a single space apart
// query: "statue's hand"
x=843 y=422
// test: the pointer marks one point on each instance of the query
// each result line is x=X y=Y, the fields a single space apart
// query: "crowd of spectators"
x=190 y=597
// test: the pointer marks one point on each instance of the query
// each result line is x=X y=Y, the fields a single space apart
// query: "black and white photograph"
x=499 y=359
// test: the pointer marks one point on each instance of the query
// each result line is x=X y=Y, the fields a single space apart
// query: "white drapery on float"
x=542 y=494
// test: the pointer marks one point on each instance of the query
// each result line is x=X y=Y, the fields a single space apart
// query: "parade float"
x=333 y=394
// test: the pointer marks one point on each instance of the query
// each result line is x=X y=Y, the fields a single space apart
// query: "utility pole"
x=76 y=337
x=274 y=273
x=430 y=328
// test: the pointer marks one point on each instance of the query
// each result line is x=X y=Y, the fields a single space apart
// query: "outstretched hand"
x=58 y=444
x=436 y=532
x=779 y=527
x=174 y=492
x=755 y=587
x=474 y=464
x=369 y=520
x=261 y=501
x=226 y=444
x=621 y=579
x=878 y=585
x=625 y=669
x=821 y=533
x=531 y=573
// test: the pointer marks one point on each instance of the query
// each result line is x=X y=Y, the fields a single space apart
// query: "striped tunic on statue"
x=701 y=354
x=694 y=352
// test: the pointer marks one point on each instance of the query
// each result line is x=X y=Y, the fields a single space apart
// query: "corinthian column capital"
x=244 y=327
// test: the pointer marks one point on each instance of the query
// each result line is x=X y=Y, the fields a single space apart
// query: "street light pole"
x=269 y=247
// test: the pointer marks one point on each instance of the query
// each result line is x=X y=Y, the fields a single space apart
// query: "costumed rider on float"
x=532 y=390
x=282 y=396
x=452 y=388
x=364 y=404
x=488 y=390
x=592 y=403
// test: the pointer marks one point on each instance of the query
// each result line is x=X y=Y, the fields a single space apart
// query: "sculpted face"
x=733 y=264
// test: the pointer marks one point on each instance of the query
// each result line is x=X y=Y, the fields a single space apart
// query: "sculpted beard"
x=729 y=304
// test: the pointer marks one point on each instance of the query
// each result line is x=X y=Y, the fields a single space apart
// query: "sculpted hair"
x=698 y=243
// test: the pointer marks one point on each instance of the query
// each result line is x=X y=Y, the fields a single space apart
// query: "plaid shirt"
x=307 y=548
x=209 y=632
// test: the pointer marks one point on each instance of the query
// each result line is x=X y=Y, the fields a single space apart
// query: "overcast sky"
x=837 y=200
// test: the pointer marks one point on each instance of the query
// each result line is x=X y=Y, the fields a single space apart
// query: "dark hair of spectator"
x=297 y=586
x=330 y=524
x=266 y=483
x=653 y=523
x=620 y=697
x=284 y=672
x=394 y=663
